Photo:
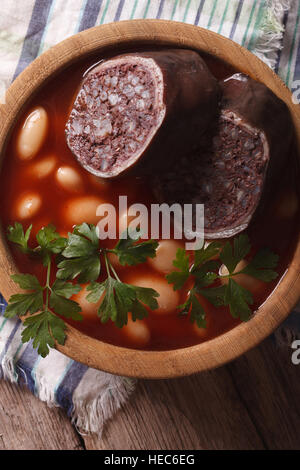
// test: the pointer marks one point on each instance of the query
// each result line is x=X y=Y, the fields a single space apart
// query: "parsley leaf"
x=16 y=235
x=197 y=313
x=65 y=289
x=108 y=307
x=120 y=299
x=82 y=259
x=215 y=295
x=262 y=266
x=83 y=241
x=96 y=290
x=60 y=299
x=146 y=295
x=89 y=231
x=81 y=255
x=78 y=256
x=207 y=252
x=182 y=263
x=205 y=271
x=44 y=328
x=184 y=308
x=238 y=299
x=50 y=242
x=131 y=253
x=87 y=268
x=232 y=256
x=193 y=306
x=21 y=304
x=205 y=274
x=26 y=281
x=124 y=297
x=138 y=311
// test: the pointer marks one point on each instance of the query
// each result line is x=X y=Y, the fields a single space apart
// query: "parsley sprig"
x=82 y=261
x=44 y=327
x=205 y=272
x=120 y=298
x=78 y=261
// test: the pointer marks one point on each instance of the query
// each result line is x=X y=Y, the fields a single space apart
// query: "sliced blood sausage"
x=141 y=108
x=238 y=163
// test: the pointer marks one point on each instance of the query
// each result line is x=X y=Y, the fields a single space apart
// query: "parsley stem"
x=109 y=267
x=224 y=276
x=107 y=264
x=115 y=274
x=48 y=283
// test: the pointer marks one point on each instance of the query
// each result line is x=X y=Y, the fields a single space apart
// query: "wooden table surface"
x=252 y=403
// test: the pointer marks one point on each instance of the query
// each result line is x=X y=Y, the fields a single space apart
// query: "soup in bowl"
x=103 y=149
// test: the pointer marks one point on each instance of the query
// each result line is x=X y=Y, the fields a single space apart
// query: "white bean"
x=168 y=299
x=28 y=206
x=82 y=209
x=33 y=134
x=165 y=255
x=69 y=179
x=137 y=332
x=43 y=168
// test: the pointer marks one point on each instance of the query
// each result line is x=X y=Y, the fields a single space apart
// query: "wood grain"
x=26 y=423
x=252 y=403
x=200 y=412
x=147 y=364
x=269 y=387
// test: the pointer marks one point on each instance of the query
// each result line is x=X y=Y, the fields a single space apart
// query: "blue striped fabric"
x=34 y=34
x=57 y=379
x=70 y=379
x=199 y=11
x=160 y=9
x=90 y=12
x=236 y=18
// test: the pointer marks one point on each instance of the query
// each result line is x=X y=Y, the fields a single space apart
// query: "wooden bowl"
x=218 y=351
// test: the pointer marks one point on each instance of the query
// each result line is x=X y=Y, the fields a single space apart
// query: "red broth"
x=168 y=331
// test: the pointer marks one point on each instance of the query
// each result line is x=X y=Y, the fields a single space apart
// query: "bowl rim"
x=217 y=351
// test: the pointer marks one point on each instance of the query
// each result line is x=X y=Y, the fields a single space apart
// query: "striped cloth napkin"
x=29 y=28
